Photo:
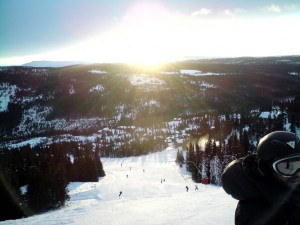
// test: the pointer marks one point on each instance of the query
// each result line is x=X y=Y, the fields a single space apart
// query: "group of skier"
x=187 y=188
x=162 y=180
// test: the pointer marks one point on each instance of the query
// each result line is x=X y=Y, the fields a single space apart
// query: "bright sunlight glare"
x=148 y=35
x=143 y=38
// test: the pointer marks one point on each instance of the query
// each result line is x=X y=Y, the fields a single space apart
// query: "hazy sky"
x=146 y=31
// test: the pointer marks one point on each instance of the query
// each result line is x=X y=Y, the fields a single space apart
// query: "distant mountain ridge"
x=289 y=59
x=53 y=63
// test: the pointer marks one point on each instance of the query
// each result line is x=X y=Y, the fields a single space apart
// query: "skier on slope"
x=267 y=184
x=187 y=188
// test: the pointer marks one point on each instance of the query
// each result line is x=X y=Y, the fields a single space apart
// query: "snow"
x=32 y=119
x=31 y=142
x=169 y=73
x=152 y=102
x=71 y=90
x=294 y=73
x=198 y=73
x=142 y=79
x=97 y=89
x=97 y=71
x=191 y=72
x=145 y=199
x=7 y=92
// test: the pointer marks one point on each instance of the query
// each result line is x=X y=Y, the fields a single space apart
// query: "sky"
x=145 y=31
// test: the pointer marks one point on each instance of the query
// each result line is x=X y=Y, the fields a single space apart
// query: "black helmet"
x=278 y=144
x=279 y=151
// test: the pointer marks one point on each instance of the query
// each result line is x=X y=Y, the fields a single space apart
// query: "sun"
x=142 y=38
x=146 y=44
x=147 y=35
x=146 y=41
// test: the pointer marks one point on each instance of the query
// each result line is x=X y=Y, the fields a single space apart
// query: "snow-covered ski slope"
x=146 y=198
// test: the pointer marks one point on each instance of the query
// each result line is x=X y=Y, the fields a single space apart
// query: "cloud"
x=228 y=12
x=233 y=12
x=273 y=8
x=202 y=12
x=238 y=10
x=290 y=7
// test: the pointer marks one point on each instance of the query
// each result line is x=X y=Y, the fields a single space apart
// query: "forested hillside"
x=212 y=111
x=121 y=103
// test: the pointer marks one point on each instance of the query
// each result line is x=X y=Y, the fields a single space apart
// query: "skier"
x=187 y=188
x=267 y=183
x=196 y=187
x=120 y=194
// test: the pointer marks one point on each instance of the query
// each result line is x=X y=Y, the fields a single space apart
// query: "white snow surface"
x=191 y=72
x=7 y=92
x=142 y=79
x=198 y=73
x=145 y=199
x=98 y=71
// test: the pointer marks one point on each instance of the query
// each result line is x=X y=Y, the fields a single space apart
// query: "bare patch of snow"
x=97 y=71
x=98 y=89
x=7 y=92
x=191 y=72
x=207 y=85
x=71 y=90
x=199 y=73
x=33 y=119
x=141 y=79
x=294 y=73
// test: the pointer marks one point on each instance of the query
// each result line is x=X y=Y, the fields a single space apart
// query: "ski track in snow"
x=145 y=199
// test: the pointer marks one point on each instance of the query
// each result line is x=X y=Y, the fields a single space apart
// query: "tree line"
x=233 y=138
x=35 y=179
x=209 y=161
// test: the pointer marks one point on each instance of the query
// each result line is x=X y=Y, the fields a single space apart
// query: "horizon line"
x=185 y=58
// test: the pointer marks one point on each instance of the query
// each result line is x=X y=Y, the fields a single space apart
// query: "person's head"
x=278 y=156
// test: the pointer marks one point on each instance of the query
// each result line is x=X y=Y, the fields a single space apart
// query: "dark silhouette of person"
x=267 y=184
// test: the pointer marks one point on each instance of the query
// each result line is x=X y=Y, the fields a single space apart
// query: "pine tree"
x=47 y=184
x=10 y=196
x=198 y=159
x=98 y=163
x=179 y=157
x=245 y=144
x=207 y=158
x=78 y=165
x=190 y=157
x=216 y=165
x=90 y=172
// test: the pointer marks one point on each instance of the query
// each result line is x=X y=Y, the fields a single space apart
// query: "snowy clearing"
x=192 y=73
x=142 y=79
x=146 y=198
